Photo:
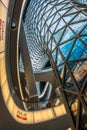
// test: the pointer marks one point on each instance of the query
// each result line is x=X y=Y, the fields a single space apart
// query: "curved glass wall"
x=56 y=31
x=61 y=28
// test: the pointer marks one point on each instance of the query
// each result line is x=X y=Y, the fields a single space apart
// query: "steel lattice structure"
x=56 y=30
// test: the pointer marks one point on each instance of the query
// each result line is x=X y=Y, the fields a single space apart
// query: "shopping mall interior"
x=43 y=64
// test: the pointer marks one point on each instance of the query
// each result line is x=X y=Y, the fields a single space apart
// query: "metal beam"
x=30 y=79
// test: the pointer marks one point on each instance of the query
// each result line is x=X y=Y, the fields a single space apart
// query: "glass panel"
x=81 y=1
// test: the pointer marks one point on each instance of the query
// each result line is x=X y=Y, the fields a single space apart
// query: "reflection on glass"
x=54 y=24
x=60 y=27
x=81 y=1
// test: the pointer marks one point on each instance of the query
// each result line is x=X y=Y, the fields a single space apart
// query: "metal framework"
x=58 y=28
